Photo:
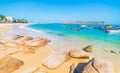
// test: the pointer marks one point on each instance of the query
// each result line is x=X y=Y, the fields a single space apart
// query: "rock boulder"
x=9 y=64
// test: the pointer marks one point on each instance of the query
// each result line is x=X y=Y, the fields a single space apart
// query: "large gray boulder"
x=97 y=65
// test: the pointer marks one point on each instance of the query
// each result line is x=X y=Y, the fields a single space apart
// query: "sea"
x=79 y=35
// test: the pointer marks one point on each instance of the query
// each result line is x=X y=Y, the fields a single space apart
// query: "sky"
x=62 y=10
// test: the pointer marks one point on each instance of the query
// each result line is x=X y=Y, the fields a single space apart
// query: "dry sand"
x=36 y=59
x=4 y=27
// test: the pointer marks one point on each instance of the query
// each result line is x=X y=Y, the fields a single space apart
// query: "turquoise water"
x=92 y=33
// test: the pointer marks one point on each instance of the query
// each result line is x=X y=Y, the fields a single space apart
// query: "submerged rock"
x=9 y=64
x=88 y=48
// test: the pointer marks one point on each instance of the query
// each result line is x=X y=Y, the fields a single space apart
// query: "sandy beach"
x=4 y=27
x=35 y=60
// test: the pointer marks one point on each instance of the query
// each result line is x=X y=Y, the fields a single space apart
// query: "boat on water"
x=114 y=31
x=111 y=29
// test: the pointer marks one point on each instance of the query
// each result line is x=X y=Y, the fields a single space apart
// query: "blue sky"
x=62 y=10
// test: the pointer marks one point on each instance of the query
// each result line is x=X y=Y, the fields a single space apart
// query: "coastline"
x=4 y=27
x=43 y=52
x=27 y=28
x=97 y=49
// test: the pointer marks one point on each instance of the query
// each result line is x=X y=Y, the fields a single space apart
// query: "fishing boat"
x=114 y=31
x=111 y=29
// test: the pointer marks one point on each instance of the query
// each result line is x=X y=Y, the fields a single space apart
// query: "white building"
x=9 y=19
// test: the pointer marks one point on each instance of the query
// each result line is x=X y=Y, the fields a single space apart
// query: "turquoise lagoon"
x=93 y=34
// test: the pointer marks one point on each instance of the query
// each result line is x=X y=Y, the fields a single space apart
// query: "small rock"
x=80 y=54
x=112 y=51
x=88 y=48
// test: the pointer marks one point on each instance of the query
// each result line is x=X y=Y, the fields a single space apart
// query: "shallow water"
x=94 y=36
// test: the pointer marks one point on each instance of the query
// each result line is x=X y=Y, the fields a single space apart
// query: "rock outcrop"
x=37 y=42
x=9 y=64
x=97 y=65
x=25 y=44
x=54 y=60
x=80 y=54
x=15 y=37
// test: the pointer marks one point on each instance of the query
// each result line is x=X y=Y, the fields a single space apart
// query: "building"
x=9 y=19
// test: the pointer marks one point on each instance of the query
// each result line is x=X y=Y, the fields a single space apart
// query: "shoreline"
x=27 y=28
x=82 y=38
x=107 y=54
x=43 y=52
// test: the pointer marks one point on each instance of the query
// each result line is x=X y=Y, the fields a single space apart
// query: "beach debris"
x=97 y=65
x=9 y=64
x=30 y=70
x=88 y=48
x=80 y=54
x=54 y=60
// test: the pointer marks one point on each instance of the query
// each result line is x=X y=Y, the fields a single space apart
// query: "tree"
x=2 y=18
x=20 y=21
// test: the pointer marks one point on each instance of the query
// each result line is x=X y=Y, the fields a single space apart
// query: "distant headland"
x=85 y=22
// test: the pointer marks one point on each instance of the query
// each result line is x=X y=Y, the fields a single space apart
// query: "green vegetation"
x=2 y=18
x=20 y=21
